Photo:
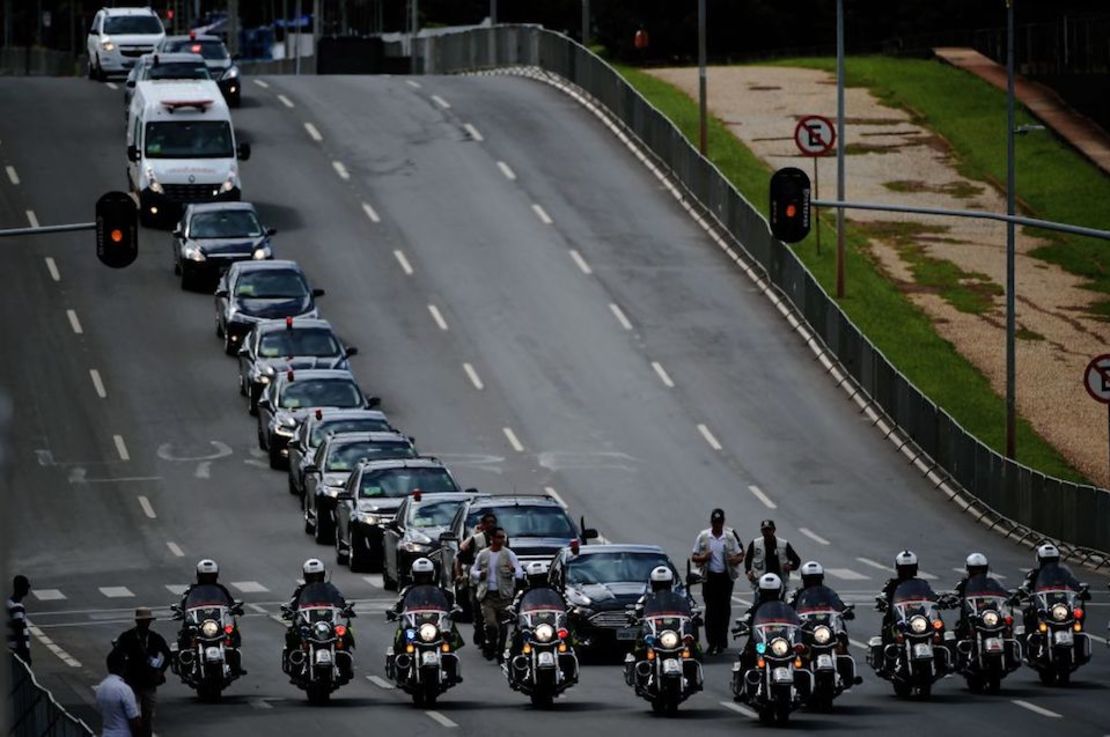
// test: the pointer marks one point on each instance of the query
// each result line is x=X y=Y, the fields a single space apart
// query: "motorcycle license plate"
x=824 y=661
x=671 y=666
x=1063 y=637
x=213 y=654
x=546 y=659
x=323 y=657
x=628 y=633
x=992 y=645
x=430 y=658
x=922 y=650
x=782 y=675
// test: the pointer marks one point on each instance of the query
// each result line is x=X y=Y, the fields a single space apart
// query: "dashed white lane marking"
x=619 y=314
x=98 y=385
x=32 y=218
x=405 y=265
x=285 y=101
x=204 y=470
x=380 y=683
x=860 y=645
x=12 y=174
x=758 y=494
x=148 y=510
x=441 y=102
x=473 y=132
x=121 y=448
x=473 y=376
x=111 y=85
x=663 y=375
x=52 y=267
x=175 y=549
x=740 y=709
x=250 y=587
x=371 y=213
x=74 y=322
x=412 y=83
x=256 y=608
x=846 y=574
x=176 y=589
x=509 y=173
x=879 y=566
x=375 y=581
x=513 y=441
x=542 y=215
x=550 y=491
x=341 y=170
x=438 y=317
x=581 y=262
x=313 y=133
x=262 y=84
x=813 y=536
x=53 y=647
x=48 y=594
x=992 y=574
x=116 y=592
x=1036 y=709
x=443 y=721
x=709 y=438
x=260 y=703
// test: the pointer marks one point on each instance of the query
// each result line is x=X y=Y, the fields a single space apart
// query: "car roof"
x=445 y=496
x=390 y=463
x=129 y=11
x=304 y=374
x=196 y=207
x=513 y=500
x=275 y=326
x=165 y=57
x=374 y=436
x=620 y=548
x=197 y=37
x=336 y=413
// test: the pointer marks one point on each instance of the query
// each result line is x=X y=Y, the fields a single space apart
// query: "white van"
x=181 y=147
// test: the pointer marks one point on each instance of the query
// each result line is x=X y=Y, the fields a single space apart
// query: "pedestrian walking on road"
x=718 y=553
x=19 y=635
x=770 y=554
x=119 y=711
x=495 y=572
x=147 y=656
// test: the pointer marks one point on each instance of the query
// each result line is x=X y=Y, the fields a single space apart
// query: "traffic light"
x=117 y=230
x=790 y=204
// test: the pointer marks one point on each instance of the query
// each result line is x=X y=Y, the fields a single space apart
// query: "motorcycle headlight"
x=322 y=630
x=1059 y=612
x=544 y=633
x=428 y=632
x=262 y=253
x=822 y=635
x=669 y=639
x=155 y=185
x=210 y=628
x=779 y=647
x=193 y=253
x=918 y=624
x=990 y=618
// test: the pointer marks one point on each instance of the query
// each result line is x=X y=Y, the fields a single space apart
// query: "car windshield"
x=213 y=49
x=138 y=25
x=361 y=424
x=532 y=521
x=347 y=456
x=613 y=567
x=271 y=284
x=433 y=514
x=189 y=139
x=225 y=224
x=321 y=393
x=178 y=70
x=400 y=482
x=299 y=342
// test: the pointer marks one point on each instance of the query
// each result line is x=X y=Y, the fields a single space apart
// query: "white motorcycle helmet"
x=1047 y=553
x=423 y=571
x=906 y=564
x=313 y=570
x=770 y=587
x=977 y=564
x=661 y=578
x=813 y=573
x=207 y=571
x=536 y=572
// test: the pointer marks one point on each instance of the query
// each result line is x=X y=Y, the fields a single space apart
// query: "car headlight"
x=193 y=253
x=990 y=618
x=210 y=628
x=918 y=624
x=155 y=185
x=1059 y=612
x=428 y=632
x=107 y=44
x=369 y=518
x=231 y=72
x=412 y=546
x=669 y=639
x=229 y=183
x=262 y=253
x=576 y=597
x=779 y=647
x=822 y=634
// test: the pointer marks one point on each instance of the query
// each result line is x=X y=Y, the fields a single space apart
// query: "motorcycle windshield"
x=320 y=594
x=1055 y=579
x=818 y=601
x=666 y=604
x=206 y=595
x=915 y=597
x=536 y=617
x=196 y=615
x=426 y=598
x=775 y=619
x=984 y=592
x=542 y=600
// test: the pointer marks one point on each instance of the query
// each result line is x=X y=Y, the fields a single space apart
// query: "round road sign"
x=1097 y=378
x=815 y=135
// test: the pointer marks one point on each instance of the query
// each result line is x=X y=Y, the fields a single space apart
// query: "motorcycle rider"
x=423 y=574
x=905 y=568
x=768 y=588
x=813 y=577
x=976 y=565
x=661 y=581
x=208 y=574
x=1047 y=555
x=313 y=573
x=537 y=587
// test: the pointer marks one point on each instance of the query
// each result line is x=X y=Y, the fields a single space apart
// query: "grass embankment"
x=901 y=330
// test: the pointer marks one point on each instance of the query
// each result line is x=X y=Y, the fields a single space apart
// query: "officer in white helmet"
x=814 y=593
x=425 y=591
x=1049 y=565
x=768 y=589
x=976 y=564
x=316 y=589
x=208 y=585
x=537 y=595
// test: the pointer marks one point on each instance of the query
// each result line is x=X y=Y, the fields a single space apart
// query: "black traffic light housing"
x=790 y=194
x=117 y=230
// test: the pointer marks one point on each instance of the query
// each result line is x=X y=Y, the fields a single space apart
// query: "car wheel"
x=323 y=532
x=341 y=558
x=229 y=347
x=276 y=461
x=188 y=281
x=356 y=557
x=387 y=581
x=219 y=328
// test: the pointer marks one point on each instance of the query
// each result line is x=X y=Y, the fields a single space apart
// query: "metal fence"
x=32 y=710
x=1043 y=505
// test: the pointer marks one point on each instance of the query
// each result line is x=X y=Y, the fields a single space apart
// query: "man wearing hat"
x=770 y=554
x=148 y=656
x=718 y=554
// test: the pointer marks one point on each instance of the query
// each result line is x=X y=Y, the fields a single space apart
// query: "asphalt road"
x=615 y=356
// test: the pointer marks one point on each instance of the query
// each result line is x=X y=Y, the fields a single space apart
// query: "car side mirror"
x=222 y=293
x=244 y=351
x=448 y=537
x=311 y=468
x=351 y=351
x=373 y=402
x=244 y=151
x=271 y=231
x=133 y=153
x=471 y=490
x=266 y=404
x=345 y=497
x=590 y=534
x=178 y=233
x=318 y=292
x=130 y=83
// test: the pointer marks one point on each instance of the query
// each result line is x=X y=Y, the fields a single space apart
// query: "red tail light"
x=288 y=322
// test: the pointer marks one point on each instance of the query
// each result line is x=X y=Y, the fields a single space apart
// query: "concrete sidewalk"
x=1048 y=107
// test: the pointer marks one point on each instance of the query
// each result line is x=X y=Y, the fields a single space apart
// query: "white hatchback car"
x=118 y=37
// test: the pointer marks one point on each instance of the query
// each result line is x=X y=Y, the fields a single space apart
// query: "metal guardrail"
x=1019 y=501
x=32 y=710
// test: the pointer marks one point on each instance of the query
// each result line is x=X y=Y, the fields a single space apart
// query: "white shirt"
x=117 y=705
x=717 y=562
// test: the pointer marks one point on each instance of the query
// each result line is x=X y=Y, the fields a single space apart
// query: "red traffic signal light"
x=790 y=194
x=117 y=230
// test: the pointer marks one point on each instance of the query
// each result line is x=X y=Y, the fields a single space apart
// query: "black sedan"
x=332 y=465
x=275 y=346
x=414 y=532
x=293 y=395
x=212 y=235
x=370 y=499
x=220 y=64
x=318 y=425
x=252 y=291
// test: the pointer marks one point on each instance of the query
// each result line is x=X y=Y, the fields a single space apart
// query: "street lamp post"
x=1011 y=278
x=840 y=147
x=586 y=23
x=703 y=125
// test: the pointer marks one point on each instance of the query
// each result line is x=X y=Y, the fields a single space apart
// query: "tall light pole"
x=493 y=12
x=1011 y=278
x=840 y=147
x=703 y=126
x=586 y=23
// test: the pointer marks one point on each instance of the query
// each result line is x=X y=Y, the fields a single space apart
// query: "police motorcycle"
x=825 y=636
x=664 y=668
x=986 y=649
x=422 y=661
x=771 y=675
x=917 y=654
x=206 y=654
x=320 y=657
x=540 y=660
x=1056 y=644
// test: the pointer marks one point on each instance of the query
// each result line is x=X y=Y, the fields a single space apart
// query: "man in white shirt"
x=496 y=571
x=719 y=553
x=119 y=711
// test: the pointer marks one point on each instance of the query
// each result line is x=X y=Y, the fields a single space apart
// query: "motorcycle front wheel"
x=318 y=694
x=543 y=700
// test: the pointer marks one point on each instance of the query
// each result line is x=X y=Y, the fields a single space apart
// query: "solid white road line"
x=52 y=267
x=438 y=317
x=542 y=215
x=341 y=170
x=98 y=384
x=175 y=549
x=847 y=574
x=405 y=265
x=709 y=437
x=370 y=213
x=441 y=102
x=415 y=85
x=148 y=510
x=758 y=494
x=663 y=375
x=313 y=133
x=619 y=314
x=740 y=709
x=443 y=721
x=111 y=85
x=813 y=536
x=380 y=682
x=585 y=267
x=53 y=646
x=509 y=173
x=74 y=322
x=32 y=218
x=550 y=491
x=48 y=594
x=1036 y=709
x=116 y=592
x=473 y=132
x=513 y=441
x=264 y=85
x=250 y=587
x=121 y=448
x=12 y=174
x=473 y=376
x=285 y=101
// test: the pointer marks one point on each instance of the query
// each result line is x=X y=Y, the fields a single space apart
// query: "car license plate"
x=782 y=675
x=430 y=658
x=671 y=666
x=824 y=661
x=628 y=633
x=992 y=645
x=1063 y=637
x=922 y=650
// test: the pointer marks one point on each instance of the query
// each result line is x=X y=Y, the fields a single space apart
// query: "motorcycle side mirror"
x=391 y=616
x=237 y=609
x=849 y=612
x=693 y=579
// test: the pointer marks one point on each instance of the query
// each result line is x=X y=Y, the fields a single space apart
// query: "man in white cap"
x=148 y=656
x=718 y=553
